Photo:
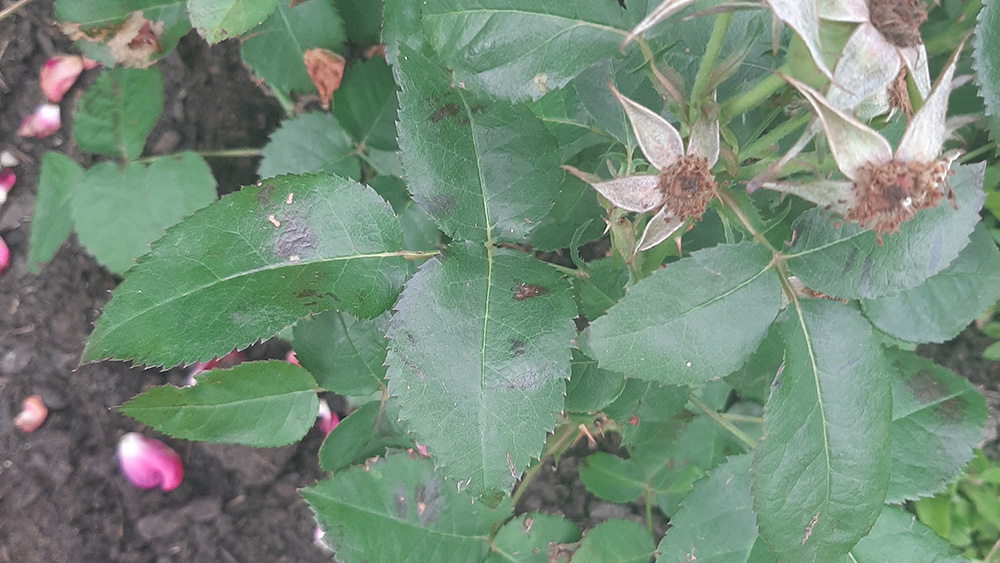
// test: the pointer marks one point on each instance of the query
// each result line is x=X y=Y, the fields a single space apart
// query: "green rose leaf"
x=716 y=522
x=938 y=419
x=118 y=111
x=260 y=404
x=986 y=63
x=118 y=212
x=612 y=478
x=344 y=354
x=821 y=473
x=401 y=509
x=274 y=49
x=521 y=49
x=484 y=170
x=695 y=320
x=365 y=433
x=899 y=536
x=52 y=218
x=946 y=302
x=366 y=104
x=251 y=264
x=311 y=142
x=591 y=388
x=843 y=260
x=615 y=541
x=100 y=17
x=217 y=20
x=526 y=539
x=479 y=350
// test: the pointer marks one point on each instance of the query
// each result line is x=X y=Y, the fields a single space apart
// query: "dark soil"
x=62 y=497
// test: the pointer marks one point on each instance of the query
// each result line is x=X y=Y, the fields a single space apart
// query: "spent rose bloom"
x=684 y=185
x=149 y=463
x=884 y=188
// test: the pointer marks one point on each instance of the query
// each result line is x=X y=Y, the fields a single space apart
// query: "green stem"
x=712 y=50
x=13 y=8
x=568 y=271
x=415 y=254
x=717 y=417
x=742 y=418
x=751 y=98
x=286 y=103
x=726 y=199
x=562 y=440
x=649 y=510
x=773 y=136
x=225 y=153
x=973 y=154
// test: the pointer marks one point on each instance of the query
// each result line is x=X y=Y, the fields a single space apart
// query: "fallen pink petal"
x=148 y=463
x=227 y=361
x=43 y=122
x=58 y=75
x=33 y=410
x=4 y=256
x=290 y=358
x=7 y=179
x=326 y=420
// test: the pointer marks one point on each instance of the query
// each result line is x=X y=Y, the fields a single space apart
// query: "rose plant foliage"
x=530 y=217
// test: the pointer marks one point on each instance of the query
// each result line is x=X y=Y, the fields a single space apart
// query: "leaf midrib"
x=570 y=22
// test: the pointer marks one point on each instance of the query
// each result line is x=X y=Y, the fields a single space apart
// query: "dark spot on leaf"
x=406 y=362
x=463 y=121
x=428 y=497
x=525 y=291
x=264 y=195
x=925 y=387
x=517 y=348
x=527 y=381
x=622 y=4
x=440 y=205
x=295 y=238
x=444 y=111
x=409 y=338
x=850 y=260
x=399 y=496
x=952 y=410
x=476 y=108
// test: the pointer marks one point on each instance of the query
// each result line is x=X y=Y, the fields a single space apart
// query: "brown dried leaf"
x=325 y=69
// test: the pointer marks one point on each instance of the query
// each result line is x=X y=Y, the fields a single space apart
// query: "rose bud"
x=148 y=463
x=44 y=122
x=326 y=420
x=33 y=410
x=4 y=256
x=325 y=69
x=290 y=358
x=7 y=179
x=58 y=75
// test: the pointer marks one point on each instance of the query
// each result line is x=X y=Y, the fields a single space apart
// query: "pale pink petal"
x=326 y=420
x=658 y=229
x=89 y=64
x=58 y=75
x=290 y=358
x=33 y=413
x=831 y=194
x=658 y=139
x=4 y=256
x=854 y=11
x=802 y=17
x=229 y=360
x=925 y=135
x=149 y=463
x=42 y=123
x=7 y=180
x=867 y=65
x=662 y=12
x=852 y=143
x=638 y=193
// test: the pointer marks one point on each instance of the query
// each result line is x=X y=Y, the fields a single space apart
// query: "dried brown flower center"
x=899 y=93
x=899 y=20
x=886 y=195
x=687 y=185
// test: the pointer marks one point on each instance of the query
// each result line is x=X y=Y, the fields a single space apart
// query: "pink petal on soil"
x=89 y=63
x=45 y=121
x=290 y=358
x=326 y=420
x=148 y=463
x=7 y=179
x=33 y=411
x=58 y=75
x=4 y=256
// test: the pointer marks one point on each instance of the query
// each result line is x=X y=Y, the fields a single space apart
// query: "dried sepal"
x=660 y=227
x=638 y=193
x=866 y=65
x=666 y=9
x=833 y=195
x=852 y=143
x=925 y=135
x=658 y=139
x=850 y=11
x=803 y=17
